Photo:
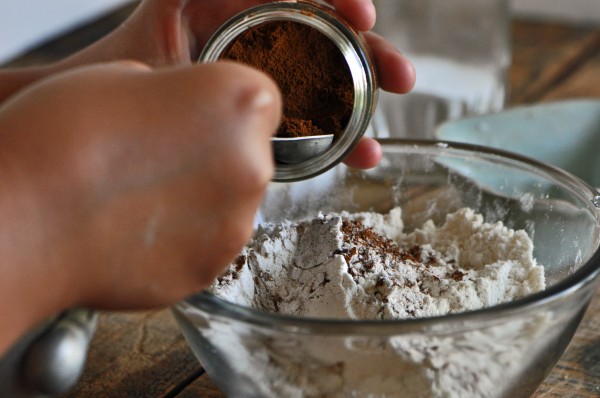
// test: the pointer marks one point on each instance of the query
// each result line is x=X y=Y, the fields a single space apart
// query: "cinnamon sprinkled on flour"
x=348 y=265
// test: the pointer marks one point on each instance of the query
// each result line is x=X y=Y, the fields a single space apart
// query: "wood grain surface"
x=144 y=355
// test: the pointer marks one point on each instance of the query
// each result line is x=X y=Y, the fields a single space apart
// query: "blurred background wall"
x=27 y=23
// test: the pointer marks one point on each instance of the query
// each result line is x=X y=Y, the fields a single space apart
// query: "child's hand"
x=133 y=184
x=164 y=33
x=124 y=187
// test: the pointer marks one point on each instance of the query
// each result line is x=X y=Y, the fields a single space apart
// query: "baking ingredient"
x=310 y=70
x=362 y=266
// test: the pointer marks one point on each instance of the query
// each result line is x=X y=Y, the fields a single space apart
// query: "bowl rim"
x=584 y=276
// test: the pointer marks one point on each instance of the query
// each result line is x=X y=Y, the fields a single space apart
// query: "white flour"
x=363 y=266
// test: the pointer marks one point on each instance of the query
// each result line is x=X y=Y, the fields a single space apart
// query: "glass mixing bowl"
x=501 y=351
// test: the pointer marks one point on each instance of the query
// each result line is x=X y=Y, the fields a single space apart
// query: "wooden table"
x=144 y=355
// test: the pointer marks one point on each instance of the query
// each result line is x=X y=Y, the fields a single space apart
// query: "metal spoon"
x=300 y=149
x=49 y=359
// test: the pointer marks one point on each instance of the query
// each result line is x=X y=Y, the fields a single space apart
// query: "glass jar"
x=350 y=43
x=461 y=52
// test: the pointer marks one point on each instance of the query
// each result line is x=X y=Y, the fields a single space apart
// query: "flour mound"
x=363 y=266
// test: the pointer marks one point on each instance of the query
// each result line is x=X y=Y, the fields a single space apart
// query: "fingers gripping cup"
x=323 y=70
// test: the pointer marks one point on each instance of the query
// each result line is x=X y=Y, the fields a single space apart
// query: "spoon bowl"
x=300 y=149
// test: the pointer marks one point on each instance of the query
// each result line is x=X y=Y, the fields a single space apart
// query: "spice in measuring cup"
x=310 y=70
x=324 y=71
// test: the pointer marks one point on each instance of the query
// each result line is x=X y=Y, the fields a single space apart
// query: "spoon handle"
x=49 y=360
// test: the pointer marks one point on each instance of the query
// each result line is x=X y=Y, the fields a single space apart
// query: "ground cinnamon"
x=312 y=74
